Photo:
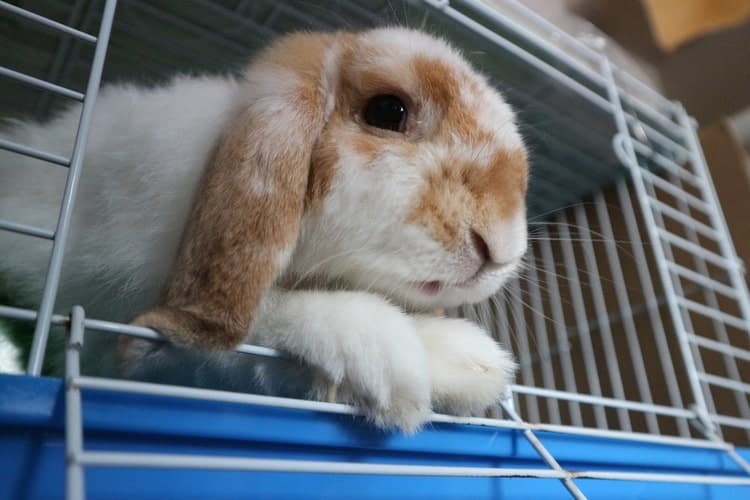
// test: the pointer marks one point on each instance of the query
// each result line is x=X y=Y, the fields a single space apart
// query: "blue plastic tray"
x=32 y=452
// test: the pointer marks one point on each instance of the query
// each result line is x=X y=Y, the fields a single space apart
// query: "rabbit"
x=321 y=203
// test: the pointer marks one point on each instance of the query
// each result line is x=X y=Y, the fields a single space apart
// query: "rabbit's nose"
x=502 y=242
x=488 y=260
x=481 y=247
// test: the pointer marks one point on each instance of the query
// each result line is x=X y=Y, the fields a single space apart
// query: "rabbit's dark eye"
x=386 y=112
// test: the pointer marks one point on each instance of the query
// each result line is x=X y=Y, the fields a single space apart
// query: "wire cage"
x=631 y=320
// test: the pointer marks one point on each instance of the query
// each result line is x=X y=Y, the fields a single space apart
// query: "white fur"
x=507 y=239
x=468 y=370
x=360 y=342
x=8 y=355
x=147 y=152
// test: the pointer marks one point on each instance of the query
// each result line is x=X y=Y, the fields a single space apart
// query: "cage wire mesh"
x=631 y=316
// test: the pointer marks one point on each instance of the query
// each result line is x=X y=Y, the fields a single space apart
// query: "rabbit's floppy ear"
x=246 y=218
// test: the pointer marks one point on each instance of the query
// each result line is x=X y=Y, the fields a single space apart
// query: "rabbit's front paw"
x=469 y=371
x=376 y=358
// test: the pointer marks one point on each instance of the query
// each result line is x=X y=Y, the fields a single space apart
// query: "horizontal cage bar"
x=685 y=219
x=41 y=84
x=719 y=347
x=27 y=230
x=714 y=314
x=729 y=421
x=604 y=401
x=114 y=459
x=675 y=191
x=664 y=477
x=725 y=382
x=33 y=152
x=697 y=250
x=47 y=22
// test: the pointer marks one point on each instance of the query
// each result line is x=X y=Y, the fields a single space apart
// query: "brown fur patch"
x=366 y=146
x=443 y=85
x=323 y=163
x=461 y=193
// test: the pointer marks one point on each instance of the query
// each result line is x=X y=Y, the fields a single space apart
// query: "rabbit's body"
x=384 y=224
x=147 y=152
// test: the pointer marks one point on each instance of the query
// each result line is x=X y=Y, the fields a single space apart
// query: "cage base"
x=32 y=462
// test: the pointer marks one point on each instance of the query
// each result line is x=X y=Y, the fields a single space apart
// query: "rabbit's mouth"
x=433 y=288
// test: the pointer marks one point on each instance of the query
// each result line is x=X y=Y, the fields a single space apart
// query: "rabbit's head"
x=377 y=160
x=417 y=179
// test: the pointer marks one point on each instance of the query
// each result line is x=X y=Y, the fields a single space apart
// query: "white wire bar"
x=41 y=330
x=710 y=312
x=698 y=250
x=604 y=401
x=558 y=318
x=663 y=477
x=41 y=84
x=26 y=229
x=666 y=163
x=74 y=486
x=631 y=335
x=581 y=319
x=686 y=220
x=524 y=353
x=48 y=22
x=657 y=324
x=742 y=423
x=540 y=331
x=703 y=280
x=545 y=454
x=594 y=280
x=34 y=153
x=722 y=347
x=725 y=382
x=113 y=459
x=671 y=189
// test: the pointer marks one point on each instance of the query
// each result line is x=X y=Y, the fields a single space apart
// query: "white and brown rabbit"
x=316 y=205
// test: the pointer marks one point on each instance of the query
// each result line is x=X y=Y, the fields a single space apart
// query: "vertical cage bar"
x=558 y=319
x=602 y=317
x=504 y=333
x=583 y=326
x=545 y=454
x=652 y=303
x=631 y=161
x=540 y=330
x=626 y=311
x=524 y=354
x=41 y=330
x=74 y=487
